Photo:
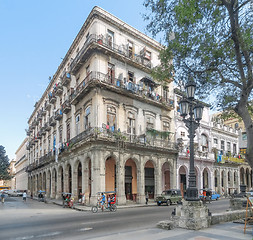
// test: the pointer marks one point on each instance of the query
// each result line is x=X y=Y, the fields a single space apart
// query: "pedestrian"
x=24 y=196
x=146 y=198
x=2 y=197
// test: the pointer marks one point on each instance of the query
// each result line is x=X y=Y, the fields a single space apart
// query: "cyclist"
x=102 y=201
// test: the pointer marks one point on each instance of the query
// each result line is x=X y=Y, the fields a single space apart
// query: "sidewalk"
x=81 y=207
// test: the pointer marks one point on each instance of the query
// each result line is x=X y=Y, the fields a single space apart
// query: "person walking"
x=24 y=196
x=146 y=198
x=2 y=197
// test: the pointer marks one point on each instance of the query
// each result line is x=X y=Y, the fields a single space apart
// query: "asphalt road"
x=36 y=220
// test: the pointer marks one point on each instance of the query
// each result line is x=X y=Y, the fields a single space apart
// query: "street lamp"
x=195 y=111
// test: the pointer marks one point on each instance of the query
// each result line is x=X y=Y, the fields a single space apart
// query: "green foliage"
x=208 y=40
x=4 y=165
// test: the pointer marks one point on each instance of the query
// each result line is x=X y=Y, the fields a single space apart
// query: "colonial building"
x=218 y=163
x=21 y=176
x=103 y=123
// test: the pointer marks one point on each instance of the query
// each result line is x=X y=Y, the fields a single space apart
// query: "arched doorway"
x=205 y=179
x=130 y=180
x=69 y=178
x=61 y=179
x=166 y=176
x=44 y=182
x=182 y=180
x=242 y=180
x=149 y=179
x=79 y=180
x=110 y=174
x=216 y=180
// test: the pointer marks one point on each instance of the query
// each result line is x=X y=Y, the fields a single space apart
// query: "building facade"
x=103 y=123
x=21 y=176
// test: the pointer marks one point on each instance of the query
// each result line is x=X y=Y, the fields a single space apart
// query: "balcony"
x=141 y=91
x=66 y=107
x=101 y=43
x=134 y=141
x=58 y=89
x=58 y=115
x=39 y=116
x=33 y=124
x=43 y=112
x=52 y=121
x=47 y=127
x=66 y=78
x=52 y=97
x=39 y=135
x=28 y=131
x=43 y=131
x=47 y=106
x=28 y=145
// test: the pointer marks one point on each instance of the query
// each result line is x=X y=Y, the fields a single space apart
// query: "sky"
x=34 y=37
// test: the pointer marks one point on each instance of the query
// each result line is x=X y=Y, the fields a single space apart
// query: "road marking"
x=24 y=238
x=48 y=234
x=85 y=229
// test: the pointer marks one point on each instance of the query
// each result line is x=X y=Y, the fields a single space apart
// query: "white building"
x=103 y=123
x=21 y=176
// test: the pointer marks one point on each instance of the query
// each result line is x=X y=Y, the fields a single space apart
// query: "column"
x=95 y=177
x=53 y=183
x=59 y=183
x=120 y=175
x=140 y=181
x=158 y=178
x=85 y=179
x=48 y=185
x=74 y=180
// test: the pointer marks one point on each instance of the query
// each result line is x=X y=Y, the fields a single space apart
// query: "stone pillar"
x=58 y=188
x=192 y=215
x=120 y=170
x=141 y=181
x=74 y=180
x=65 y=179
x=219 y=181
x=174 y=174
x=225 y=182
x=158 y=179
x=48 y=186
x=53 y=183
x=95 y=177
x=85 y=179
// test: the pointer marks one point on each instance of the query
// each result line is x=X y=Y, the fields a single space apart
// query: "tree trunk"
x=243 y=112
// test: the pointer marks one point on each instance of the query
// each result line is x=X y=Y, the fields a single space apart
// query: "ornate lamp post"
x=195 y=111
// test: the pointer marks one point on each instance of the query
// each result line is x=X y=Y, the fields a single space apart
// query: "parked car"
x=215 y=195
x=169 y=197
x=250 y=193
x=206 y=194
x=15 y=193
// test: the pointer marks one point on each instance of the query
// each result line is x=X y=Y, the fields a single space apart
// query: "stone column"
x=141 y=181
x=158 y=178
x=59 y=183
x=74 y=180
x=219 y=181
x=85 y=179
x=174 y=173
x=53 y=184
x=120 y=175
x=95 y=177
x=65 y=179
x=48 y=186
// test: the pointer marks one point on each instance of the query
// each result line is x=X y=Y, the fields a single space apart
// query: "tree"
x=210 y=41
x=4 y=165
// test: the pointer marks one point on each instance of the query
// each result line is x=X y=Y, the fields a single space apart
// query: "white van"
x=15 y=193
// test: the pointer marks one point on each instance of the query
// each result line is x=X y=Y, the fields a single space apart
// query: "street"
x=37 y=220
